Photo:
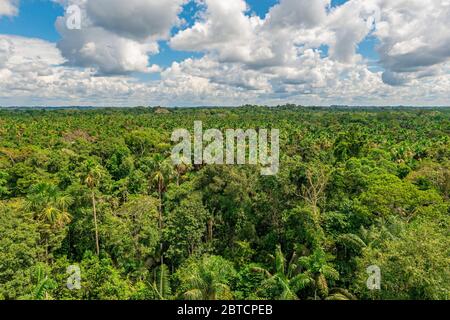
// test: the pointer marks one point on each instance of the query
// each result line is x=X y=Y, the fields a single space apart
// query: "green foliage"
x=142 y=142
x=97 y=189
x=131 y=234
x=388 y=195
x=207 y=278
x=3 y=184
x=161 y=282
x=19 y=250
x=101 y=280
x=319 y=271
x=248 y=282
x=43 y=285
x=285 y=281
x=414 y=265
x=185 y=229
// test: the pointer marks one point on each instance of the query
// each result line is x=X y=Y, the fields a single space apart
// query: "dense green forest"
x=96 y=189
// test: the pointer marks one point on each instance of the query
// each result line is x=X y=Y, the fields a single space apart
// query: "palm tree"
x=163 y=173
x=208 y=279
x=182 y=168
x=51 y=207
x=286 y=276
x=319 y=271
x=93 y=176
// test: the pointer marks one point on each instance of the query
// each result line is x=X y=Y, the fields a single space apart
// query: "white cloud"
x=223 y=26
x=303 y=14
x=349 y=24
x=106 y=52
x=116 y=36
x=136 y=19
x=5 y=51
x=414 y=38
x=8 y=8
x=246 y=59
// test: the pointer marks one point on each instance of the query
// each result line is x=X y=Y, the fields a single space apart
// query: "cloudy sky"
x=224 y=52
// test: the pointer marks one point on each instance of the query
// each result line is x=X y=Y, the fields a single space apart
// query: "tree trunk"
x=161 y=274
x=97 y=246
x=160 y=232
x=160 y=204
x=210 y=229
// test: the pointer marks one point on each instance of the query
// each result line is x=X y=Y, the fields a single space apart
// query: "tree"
x=388 y=195
x=19 y=250
x=97 y=189
x=432 y=175
x=50 y=207
x=319 y=271
x=185 y=228
x=93 y=175
x=227 y=193
x=3 y=181
x=313 y=190
x=162 y=174
x=133 y=236
x=349 y=144
x=44 y=284
x=414 y=264
x=286 y=280
x=207 y=278
x=143 y=142
x=100 y=280
x=161 y=282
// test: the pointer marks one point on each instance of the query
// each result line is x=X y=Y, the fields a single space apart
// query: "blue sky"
x=36 y=19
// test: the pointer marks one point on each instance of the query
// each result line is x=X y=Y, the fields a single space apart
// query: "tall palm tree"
x=286 y=276
x=93 y=177
x=162 y=173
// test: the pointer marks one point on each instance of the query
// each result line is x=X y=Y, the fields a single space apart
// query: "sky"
x=224 y=52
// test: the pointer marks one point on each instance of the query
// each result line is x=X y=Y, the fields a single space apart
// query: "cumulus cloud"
x=349 y=25
x=298 y=13
x=33 y=74
x=227 y=32
x=106 y=52
x=221 y=26
x=136 y=19
x=5 y=51
x=116 y=36
x=8 y=8
x=412 y=34
x=414 y=38
x=279 y=53
x=301 y=51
